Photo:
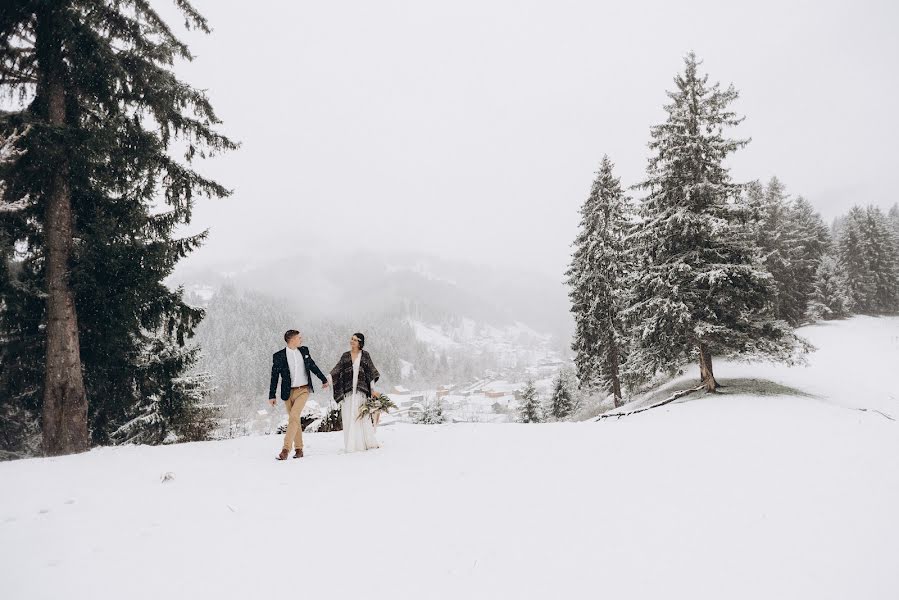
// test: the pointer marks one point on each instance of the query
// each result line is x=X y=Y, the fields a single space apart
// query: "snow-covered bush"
x=431 y=413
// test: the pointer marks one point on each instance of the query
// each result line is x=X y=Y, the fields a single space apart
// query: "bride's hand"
x=375 y=394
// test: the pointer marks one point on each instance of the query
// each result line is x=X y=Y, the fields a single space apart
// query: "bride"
x=353 y=376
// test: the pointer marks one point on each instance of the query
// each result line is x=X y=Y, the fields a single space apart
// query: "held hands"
x=375 y=394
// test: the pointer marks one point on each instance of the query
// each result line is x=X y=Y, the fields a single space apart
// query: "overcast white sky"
x=472 y=129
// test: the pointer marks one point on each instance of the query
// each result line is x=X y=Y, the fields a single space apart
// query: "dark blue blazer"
x=281 y=369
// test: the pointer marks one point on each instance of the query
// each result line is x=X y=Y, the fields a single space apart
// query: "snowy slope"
x=783 y=495
x=855 y=365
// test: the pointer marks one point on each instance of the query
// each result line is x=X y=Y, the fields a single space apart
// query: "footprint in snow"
x=70 y=501
x=43 y=511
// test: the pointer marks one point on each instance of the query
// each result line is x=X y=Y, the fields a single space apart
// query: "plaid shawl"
x=342 y=376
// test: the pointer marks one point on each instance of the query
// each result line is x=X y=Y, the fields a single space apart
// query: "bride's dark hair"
x=361 y=339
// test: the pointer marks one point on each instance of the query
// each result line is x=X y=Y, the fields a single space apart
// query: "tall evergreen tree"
x=770 y=209
x=175 y=407
x=562 y=403
x=699 y=288
x=893 y=217
x=852 y=256
x=869 y=258
x=596 y=278
x=810 y=239
x=883 y=261
x=101 y=114
x=828 y=300
x=530 y=410
x=792 y=238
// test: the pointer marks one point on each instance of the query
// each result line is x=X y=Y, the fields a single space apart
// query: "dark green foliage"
x=171 y=407
x=126 y=114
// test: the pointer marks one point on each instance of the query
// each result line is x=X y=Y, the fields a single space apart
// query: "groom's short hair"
x=289 y=334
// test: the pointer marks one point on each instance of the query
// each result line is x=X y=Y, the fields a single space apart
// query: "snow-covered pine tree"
x=769 y=207
x=100 y=112
x=828 y=299
x=529 y=411
x=853 y=262
x=699 y=288
x=562 y=403
x=893 y=217
x=869 y=259
x=597 y=284
x=883 y=261
x=810 y=241
x=173 y=407
x=836 y=229
x=791 y=238
x=573 y=384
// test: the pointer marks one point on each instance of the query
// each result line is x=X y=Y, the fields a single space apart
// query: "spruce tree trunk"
x=705 y=369
x=64 y=425
x=613 y=370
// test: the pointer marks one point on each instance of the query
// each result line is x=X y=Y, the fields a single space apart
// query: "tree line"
x=701 y=266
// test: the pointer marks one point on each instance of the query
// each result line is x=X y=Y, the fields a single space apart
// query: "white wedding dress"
x=358 y=434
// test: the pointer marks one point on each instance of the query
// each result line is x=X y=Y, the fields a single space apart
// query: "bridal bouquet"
x=372 y=406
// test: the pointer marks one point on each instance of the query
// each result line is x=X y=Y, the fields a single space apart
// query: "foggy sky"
x=472 y=129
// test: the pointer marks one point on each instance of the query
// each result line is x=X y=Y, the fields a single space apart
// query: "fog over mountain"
x=351 y=288
x=428 y=322
x=472 y=130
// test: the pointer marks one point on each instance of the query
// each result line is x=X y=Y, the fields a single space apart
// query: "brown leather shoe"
x=283 y=455
x=298 y=453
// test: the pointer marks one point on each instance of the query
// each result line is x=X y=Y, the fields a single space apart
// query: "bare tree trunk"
x=705 y=369
x=64 y=425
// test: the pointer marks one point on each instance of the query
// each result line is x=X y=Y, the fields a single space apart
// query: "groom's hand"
x=326 y=385
x=272 y=402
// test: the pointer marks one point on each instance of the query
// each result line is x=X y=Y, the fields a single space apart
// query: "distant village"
x=492 y=399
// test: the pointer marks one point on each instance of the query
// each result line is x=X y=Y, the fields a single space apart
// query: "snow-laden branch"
x=11 y=207
x=8 y=150
x=10 y=153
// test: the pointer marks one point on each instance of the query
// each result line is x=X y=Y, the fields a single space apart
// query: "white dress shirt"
x=297 y=368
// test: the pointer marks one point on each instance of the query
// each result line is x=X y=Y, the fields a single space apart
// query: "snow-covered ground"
x=775 y=489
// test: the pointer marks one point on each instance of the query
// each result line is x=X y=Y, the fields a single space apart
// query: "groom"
x=294 y=366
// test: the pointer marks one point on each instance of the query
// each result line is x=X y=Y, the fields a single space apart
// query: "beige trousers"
x=294 y=406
